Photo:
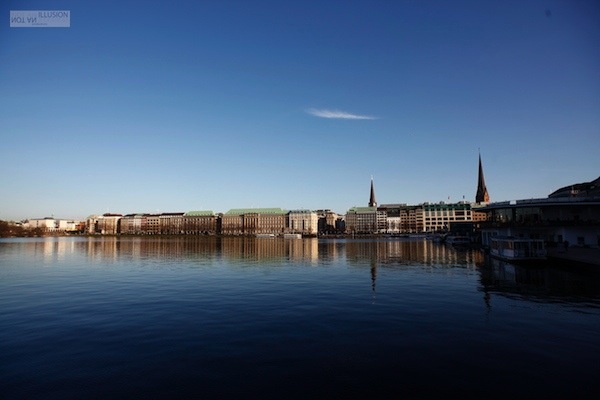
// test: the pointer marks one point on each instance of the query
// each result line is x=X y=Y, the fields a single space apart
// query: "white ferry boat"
x=517 y=249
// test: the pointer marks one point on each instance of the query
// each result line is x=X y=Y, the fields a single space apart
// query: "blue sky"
x=212 y=105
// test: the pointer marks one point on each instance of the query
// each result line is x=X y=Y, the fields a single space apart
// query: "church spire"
x=482 y=195
x=372 y=201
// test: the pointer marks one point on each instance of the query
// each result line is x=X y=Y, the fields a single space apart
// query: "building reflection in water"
x=232 y=248
x=382 y=252
x=411 y=252
x=538 y=283
x=50 y=249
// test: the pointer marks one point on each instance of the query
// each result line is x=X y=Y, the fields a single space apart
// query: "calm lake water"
x=274 y=318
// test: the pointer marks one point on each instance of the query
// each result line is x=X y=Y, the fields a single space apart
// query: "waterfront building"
x=393 y=224
x=340 y=223
x=127 y=224
x=439 y=217
x=381 y=217
x=170 y=223
x=105 y=224
x=411 y=219
x=402 y=218
x=392 y=213
x=151 y=224
x=362 y=220
x=47 y=224
x=69 y=225
x=570 y=214
x=330 y=222
x=199 y=223
x=304 y=222
x=252 y=221
x=131 y=224
x=90 y=224
x=476 y=215
x=232 y=223
x=191 y=223
x=53 y=225
x=426 y=217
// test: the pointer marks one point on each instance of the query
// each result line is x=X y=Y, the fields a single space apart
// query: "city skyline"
x=569 y=190
x=222 y=105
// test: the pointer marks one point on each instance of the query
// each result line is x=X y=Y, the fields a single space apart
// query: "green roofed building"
x=252 y=221
x=242 y=211
x=199 y=214
x=199 y=223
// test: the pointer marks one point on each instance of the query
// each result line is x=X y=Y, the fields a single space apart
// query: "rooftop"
x=241 y=211
x=363 y=209
x=555 y=201
x=587 y=189
x=206 y=213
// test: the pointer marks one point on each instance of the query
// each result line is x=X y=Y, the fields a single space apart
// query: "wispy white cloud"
x=337 y=114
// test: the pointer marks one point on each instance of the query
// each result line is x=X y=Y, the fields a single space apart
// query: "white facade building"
x=106 y=224
x=52 y=225
x=303 y=222
x=440 y=216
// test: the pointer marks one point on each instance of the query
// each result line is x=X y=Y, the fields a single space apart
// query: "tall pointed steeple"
x=372 y=201
x=482 y=195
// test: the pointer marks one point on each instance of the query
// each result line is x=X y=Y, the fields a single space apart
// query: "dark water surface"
x=274 y=318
